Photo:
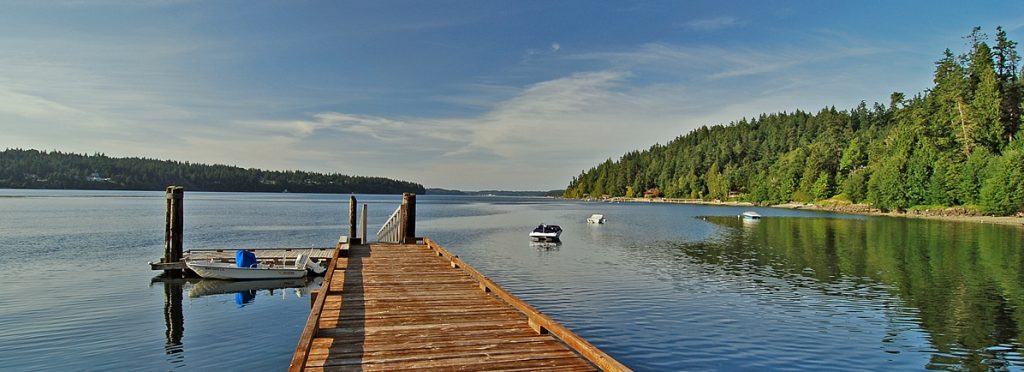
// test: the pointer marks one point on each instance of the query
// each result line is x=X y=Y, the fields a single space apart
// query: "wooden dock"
x=416 y=306
x=402 y=303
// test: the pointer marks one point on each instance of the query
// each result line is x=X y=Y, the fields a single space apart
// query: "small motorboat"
x=247 y=268
x=750 y=216
x=596 y=219
x=546 y=232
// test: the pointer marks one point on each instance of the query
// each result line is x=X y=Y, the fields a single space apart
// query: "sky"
x=470 y=95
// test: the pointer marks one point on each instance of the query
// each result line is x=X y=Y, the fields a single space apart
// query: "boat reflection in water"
x=245 y=291
x=546 y=245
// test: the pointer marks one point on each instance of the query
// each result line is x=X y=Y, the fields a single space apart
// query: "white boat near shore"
x=750 y=216
x=596 y=219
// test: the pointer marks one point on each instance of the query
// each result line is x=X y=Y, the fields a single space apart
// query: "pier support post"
x=407 y=225
x=174 y=227
x=366 y=239
x=352 y=219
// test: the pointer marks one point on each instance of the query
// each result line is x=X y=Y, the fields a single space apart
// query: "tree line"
x=957 y=144
x=36 y=169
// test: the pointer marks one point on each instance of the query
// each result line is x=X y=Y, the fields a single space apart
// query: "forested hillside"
x=56 y=170
x=959 y=143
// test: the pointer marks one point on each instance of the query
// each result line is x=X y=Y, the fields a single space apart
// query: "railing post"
x=366 y=239
x=352 y=219
x=174 y=227
x=408 y=219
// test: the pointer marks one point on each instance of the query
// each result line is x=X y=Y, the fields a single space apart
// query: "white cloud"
x=531 y=136
x=712 y=62
x=710 y=24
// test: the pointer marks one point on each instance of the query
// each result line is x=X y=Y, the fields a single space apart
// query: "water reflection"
x=174 y=320
x=963 y=284
x=243 y=292
x=544 y=246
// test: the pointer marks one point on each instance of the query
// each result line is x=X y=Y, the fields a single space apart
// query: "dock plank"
x=408 y=307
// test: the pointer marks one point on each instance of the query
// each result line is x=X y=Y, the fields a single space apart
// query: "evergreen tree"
x=984 y=118
x=1010 y=87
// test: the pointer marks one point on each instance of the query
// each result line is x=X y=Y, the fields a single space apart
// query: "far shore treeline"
x=33 y=169
x=957 y=144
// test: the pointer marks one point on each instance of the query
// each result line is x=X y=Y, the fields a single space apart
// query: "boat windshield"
x=547 y=229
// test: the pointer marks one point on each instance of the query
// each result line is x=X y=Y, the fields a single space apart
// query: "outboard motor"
x=303 y=261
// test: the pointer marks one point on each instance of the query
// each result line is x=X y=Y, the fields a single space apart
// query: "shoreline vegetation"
x=955 y=214
x=956 y=149
x=34 y=169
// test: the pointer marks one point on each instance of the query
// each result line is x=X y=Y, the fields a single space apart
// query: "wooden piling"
x=174 y=228
x=352 y=218
x=366 y=239
x=408 y=219
x=167 y=224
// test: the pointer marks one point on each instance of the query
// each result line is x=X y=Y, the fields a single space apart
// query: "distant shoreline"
x=951 y=214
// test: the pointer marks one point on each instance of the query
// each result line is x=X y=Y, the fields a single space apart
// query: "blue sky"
x=468 y=95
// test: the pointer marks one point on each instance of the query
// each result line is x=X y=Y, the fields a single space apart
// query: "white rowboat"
x=228 y=271
x=232 y=271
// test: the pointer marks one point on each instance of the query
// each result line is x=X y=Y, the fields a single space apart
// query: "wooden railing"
x=389 y=232
x=401 y=226
x=313 y=321
x=538 y=321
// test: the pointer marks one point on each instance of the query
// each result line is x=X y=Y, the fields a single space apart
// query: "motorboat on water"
x=247 y=268
x=750 y=216
x=546 y=232
x=596 y=219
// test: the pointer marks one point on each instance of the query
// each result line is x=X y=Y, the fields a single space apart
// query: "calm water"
x=660 y=287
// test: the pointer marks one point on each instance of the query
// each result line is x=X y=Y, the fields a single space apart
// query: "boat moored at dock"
x=247 y=268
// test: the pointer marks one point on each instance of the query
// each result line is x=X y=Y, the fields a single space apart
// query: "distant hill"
x=33 y=169
x=960 y=143
x=555 y=193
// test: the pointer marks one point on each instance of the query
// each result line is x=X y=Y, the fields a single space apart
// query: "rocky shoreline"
x=959 y=214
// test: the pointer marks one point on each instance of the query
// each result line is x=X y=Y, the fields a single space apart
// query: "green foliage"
x=1003 y=191
x=854 y=156
x=856 y=186
x=970 y=175
x=718 y=184
x=934 y=148
x=885 y=188
x=39 y=169
x=822 y=187
x=939 y=192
